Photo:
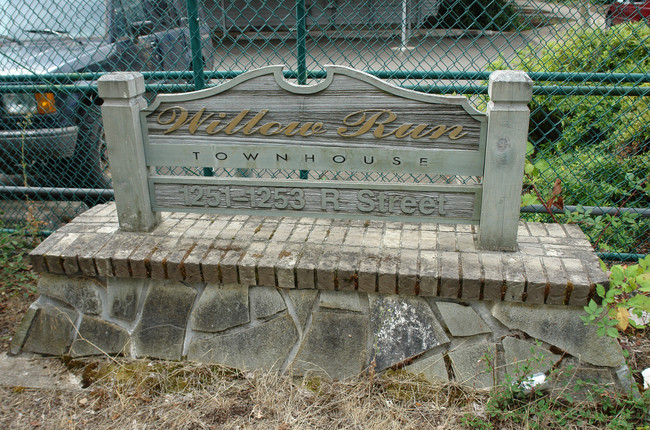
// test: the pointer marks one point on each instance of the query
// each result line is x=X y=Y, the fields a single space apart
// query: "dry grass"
x=159 y=395
x=143 y=394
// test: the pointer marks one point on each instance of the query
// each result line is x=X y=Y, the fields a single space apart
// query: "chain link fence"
x=589 y=143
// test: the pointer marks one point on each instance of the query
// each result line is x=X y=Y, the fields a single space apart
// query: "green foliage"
x=531 y=172
x=598 y=147
x=579 y=120
x=604 y=411
x=589 y=177
x=16 y=276
x=631 y=135
x=628 y=294
x=612 y=233
x=622 y=49
x=514 y=403
x=496 y=15
x=592 y=175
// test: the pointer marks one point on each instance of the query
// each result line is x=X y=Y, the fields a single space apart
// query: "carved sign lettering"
x=380 y=123
x=236 y=196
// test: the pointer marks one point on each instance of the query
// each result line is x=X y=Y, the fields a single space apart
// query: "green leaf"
x=643 y=280
x=529 y=168
x=542 y=165
x=600 y=290
x=632 y=271
x=529 y=199
x=639 y=302
x=612 y=332
x=609 y=296
x=617 y=277
x=603 y=266
x=593 y=305
x=530 y=148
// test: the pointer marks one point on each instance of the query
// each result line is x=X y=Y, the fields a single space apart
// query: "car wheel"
x=88 y=166
x=91 y=156
x=609 y=20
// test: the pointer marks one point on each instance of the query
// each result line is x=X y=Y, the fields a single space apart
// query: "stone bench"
x=555 y=264
x=321 y=297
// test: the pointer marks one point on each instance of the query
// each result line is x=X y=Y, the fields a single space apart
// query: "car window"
x=23 y=19
x=162 y=13
x=126 y=12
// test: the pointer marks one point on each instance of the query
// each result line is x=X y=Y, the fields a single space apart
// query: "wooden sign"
x=350 y=122
x=404 y=145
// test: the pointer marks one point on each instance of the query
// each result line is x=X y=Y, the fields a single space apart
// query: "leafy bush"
x=593 y=175
x=579 y=120
x=597 y=147
x=632 y=133
x=16 y=276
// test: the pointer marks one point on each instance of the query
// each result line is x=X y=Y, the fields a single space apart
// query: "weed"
x=516 y=403
x=628 y=294
x=148 y=378
x=16 y=276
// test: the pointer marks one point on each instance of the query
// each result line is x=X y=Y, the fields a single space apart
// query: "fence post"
x=301 y=55
x=505 y=152
x=301 y=41
x=195 y=44
x=122 y=94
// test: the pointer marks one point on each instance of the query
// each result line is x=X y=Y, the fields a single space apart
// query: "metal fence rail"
x=589 y=141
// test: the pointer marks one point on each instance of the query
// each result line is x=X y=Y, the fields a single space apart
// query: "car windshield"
x=25 y=19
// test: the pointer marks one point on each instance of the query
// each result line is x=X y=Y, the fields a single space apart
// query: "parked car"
x=54 y=133
x=628 y=10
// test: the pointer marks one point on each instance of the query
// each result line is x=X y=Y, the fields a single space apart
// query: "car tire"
x=609 y=20
x=88 y=166
x=90 y=154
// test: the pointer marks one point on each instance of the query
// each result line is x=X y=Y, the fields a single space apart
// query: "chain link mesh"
x=589 y=134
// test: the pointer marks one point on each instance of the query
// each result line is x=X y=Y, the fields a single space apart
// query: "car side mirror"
x=141 y=28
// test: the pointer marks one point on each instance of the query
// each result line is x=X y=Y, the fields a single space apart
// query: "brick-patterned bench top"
x=555 y=264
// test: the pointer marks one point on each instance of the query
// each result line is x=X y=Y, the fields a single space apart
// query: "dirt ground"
x=12 y=309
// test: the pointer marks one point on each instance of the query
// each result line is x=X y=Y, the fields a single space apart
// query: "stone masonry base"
x=335 y=334
x=321 y=297
x=554 y=263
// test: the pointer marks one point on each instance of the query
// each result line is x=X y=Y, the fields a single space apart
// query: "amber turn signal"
x=45 y=103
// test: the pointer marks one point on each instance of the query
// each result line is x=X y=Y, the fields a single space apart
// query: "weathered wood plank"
x=319 y=198
x=510 y=92
x=347 y=106
x=122 y=94
x=257 y=154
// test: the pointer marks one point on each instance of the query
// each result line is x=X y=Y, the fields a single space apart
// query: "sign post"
x=508 y=116
x=122 y=94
